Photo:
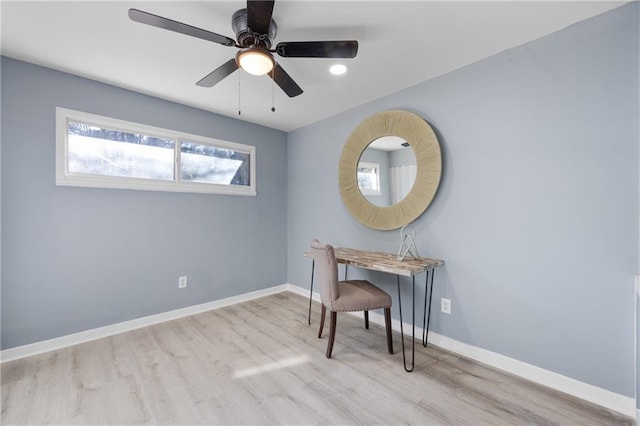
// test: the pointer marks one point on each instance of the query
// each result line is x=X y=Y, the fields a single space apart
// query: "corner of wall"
x=637 y=279
x=1 y=179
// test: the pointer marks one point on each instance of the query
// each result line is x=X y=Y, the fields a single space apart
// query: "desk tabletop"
x=384 y=262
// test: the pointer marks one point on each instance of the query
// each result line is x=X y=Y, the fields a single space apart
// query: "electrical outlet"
x=182 y=282
x=445 y=305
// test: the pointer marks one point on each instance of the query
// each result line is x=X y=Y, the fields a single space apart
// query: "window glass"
x=96 y=150
x=206 y=163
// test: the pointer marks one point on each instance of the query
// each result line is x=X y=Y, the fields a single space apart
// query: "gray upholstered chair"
x=346 y=296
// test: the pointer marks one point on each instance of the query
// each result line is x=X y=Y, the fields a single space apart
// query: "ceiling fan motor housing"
x=245 y=35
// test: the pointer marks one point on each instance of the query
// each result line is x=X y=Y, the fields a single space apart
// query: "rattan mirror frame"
x=424 y=142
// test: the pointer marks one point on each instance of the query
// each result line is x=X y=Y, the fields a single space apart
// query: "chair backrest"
x=326 y=269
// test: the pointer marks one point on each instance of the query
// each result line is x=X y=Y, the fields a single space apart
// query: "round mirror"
x=396 y=125
x=386 y=170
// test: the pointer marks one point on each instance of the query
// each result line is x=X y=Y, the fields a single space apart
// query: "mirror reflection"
x=386 y=170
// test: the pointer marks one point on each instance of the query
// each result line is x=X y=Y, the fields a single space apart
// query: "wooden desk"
x=385 y=262
x=389 y=263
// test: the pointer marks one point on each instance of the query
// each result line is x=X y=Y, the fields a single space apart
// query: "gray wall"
x=537 y=213
x=402 y=157
x=78 y=258
x=0 y=204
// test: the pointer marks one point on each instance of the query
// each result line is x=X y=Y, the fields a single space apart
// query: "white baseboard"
x=110 y=330
x=594 y=394
x=637 y=285
x=304 y=292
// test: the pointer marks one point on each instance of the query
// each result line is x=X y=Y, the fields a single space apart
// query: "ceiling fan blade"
x=178 y=27
x=259 y=15
x=285 y=81
x=218 y=74
x=318 y=49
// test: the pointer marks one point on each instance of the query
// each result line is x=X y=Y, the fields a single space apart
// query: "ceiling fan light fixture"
x=255 y=60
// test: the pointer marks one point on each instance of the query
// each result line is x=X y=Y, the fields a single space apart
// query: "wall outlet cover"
x=182 y=282
x=445 y=305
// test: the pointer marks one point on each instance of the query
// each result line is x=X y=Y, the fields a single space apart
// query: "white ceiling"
x=401 y=44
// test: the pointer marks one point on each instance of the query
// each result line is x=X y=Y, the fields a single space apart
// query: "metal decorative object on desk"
x=407 y=243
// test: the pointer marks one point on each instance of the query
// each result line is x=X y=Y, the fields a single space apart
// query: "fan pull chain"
x=273 y=88
x=239 y=72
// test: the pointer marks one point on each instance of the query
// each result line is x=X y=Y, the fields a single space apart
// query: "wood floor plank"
x=259 y=363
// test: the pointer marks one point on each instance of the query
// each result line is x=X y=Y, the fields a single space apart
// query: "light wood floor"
x=260 y=363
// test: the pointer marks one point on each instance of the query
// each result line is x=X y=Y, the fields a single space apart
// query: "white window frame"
x=376 y=167
x=66 y=178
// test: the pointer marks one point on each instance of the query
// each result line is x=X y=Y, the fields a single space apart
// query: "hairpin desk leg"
x=428 y=288
x=413 y=321
x=313 y=266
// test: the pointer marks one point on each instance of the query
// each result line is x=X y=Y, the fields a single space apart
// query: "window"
x=369 y=178
x=103 y=152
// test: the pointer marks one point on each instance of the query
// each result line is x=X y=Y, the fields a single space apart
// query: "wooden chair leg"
x=366 y=319
x=322 y=315
x=387 y=324
x=332 y=333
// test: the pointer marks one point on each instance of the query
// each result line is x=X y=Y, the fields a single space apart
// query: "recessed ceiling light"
x=338 y=69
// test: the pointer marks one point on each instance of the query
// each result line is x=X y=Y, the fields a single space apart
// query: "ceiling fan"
x=255 y=32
